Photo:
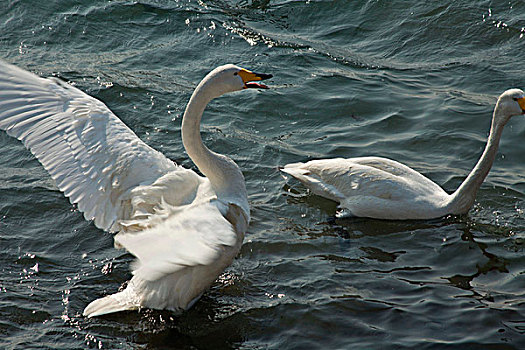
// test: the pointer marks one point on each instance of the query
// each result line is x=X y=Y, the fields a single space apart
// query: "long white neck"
x=463 y=198
x=224 y=175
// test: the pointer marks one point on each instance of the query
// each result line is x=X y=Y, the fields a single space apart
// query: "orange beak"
x=249 y=77
x=521 y=101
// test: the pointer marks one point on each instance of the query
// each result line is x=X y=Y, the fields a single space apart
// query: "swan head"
x=230 y=78
x=510 y=103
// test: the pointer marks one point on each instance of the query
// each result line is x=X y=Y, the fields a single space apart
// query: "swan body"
x=183 y=228
x=382 y=188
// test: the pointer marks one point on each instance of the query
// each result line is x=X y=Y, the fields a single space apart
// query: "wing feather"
x=193 y=236
x=94 y=158
x=341 y=178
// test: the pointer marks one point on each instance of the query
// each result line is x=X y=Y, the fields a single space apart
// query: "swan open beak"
x=521 y=101
x=248 y=77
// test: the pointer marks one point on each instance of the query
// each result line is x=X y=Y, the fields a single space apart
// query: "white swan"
x=381 y=188
x=183 y=228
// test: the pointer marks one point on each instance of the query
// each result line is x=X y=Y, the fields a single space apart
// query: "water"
x=410 y=80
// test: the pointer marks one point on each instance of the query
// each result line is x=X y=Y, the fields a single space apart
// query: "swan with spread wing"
x=183 y=228
x=382 y=188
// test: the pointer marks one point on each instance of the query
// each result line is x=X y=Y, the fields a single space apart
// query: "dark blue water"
x=409 y=80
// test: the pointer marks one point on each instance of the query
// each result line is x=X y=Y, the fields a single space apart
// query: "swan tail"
x=110 y=304
x=298 y=171
x=295 y=169
x=313 y=181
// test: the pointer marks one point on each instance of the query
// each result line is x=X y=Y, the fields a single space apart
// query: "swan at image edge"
x=184 y=229
x=382 y=188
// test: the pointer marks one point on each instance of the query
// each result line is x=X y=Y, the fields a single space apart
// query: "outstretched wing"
x=193 y=235
x=94 y=158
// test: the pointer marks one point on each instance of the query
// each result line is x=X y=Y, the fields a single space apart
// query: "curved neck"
x=224 y=175
x=463 y=198
x=191 y=136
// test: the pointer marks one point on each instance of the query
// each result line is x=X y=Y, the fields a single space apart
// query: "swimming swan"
x=184 y=229
x=381 y=188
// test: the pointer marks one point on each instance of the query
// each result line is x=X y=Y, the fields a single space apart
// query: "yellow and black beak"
x=521 y=101
x=249 y=77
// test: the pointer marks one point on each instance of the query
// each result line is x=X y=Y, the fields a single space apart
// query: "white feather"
x=93 y=157
x=385 y=189
x=194 y=235
x=370 y=186
x=183 y=228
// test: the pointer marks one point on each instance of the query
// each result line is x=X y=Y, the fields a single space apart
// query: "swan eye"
x=515 y=98
x=235 y=73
